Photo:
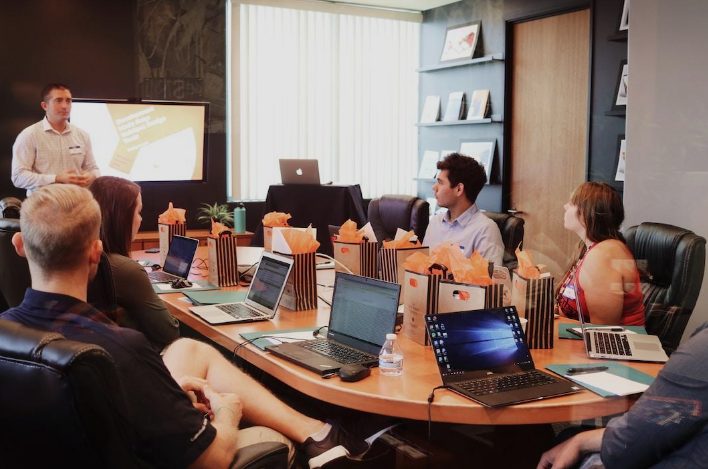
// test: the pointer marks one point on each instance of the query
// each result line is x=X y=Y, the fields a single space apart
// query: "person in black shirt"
x=185 y=406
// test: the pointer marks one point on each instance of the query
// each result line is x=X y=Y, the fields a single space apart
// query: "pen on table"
x=600 y=328
x=590 y=369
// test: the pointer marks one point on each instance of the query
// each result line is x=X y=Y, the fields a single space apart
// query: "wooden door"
x=549 y=112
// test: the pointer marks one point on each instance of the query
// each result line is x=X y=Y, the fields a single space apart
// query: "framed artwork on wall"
x=621 y=157
x=622 y=89
x=624 y=19
x=460 y=41
x=482 y=151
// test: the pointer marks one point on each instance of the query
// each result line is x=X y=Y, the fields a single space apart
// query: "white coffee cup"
x=523 y=322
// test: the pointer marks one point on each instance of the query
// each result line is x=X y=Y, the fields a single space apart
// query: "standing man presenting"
x=458 y=184
x=52 y=150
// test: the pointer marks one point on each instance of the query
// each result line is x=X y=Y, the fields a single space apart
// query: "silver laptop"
x=178 y=261
x=263 y=295
x=299 y=171
x=608 y=344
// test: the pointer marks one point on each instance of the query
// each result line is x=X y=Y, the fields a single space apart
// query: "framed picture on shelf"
x=621 y=157
x=624 y=18
x=460 y=42
x=622 y=90
x=482 y=151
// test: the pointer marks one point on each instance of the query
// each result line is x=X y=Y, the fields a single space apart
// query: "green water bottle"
x=240 y=219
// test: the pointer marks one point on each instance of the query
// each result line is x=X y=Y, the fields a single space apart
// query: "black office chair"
x=671 y=262
x=512 y=231
x=391 y=212
x=63 y=406
x=10 y=207
x=14 y=271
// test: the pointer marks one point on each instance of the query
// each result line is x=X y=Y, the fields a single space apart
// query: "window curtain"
x=338 y=88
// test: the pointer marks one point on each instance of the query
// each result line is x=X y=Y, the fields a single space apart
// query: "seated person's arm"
x=667 y=416
x=602 y=283
x=227 y=414
x=570 y=452
x=143 y=309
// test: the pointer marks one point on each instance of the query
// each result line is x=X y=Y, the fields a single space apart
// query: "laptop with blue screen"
x=482 y=354
x=363 y=312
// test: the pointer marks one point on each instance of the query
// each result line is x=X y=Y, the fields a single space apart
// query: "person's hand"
x=228 y=404
x=194 y=387
x=72 y=177
x=568 y=453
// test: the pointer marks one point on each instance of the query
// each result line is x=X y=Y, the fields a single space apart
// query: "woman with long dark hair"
x=139 y=307
x=603 y=283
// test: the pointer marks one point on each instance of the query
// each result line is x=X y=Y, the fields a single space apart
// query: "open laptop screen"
x=268 y=281
x=363 y=308
x=490 y=340
x=180 y=256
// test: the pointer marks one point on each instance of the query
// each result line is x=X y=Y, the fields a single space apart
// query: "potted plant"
x=218 y=212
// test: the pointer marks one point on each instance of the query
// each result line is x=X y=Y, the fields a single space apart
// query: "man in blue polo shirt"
x=458 y=184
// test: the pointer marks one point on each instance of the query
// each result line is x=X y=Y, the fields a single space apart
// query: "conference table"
x=403 y=396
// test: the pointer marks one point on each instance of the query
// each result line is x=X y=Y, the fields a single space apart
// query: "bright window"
x=339 y=88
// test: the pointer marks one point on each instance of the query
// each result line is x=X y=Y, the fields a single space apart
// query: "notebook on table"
x=620 y=345
x=363 y=312
x=299 y=171
x=483 y=355
x=178 y=262
x=263 y=295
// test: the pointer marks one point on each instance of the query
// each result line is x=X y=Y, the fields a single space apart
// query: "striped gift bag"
x=223 y=264
x=165 y=233
x=301 y=289
x=359 y=258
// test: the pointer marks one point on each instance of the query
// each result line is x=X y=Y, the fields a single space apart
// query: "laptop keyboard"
x=496 y=384
x=162 y=277
x=338 y=352
x=614 y=344
x=239 y=311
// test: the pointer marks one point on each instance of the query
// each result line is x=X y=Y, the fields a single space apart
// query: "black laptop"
x=363 y=312
x=179 y=260
x=483 y=355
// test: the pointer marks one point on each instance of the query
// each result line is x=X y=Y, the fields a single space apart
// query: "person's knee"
x=188 y=356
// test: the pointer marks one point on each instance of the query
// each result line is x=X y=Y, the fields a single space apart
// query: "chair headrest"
x=50 y=348
x=10 y=207
x=11 y=225
x=657 y=244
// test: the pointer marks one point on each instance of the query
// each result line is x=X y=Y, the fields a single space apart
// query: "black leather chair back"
x=512 y=232
x=14 y=271
x=61 y=403
x=672 y=262
x=391 y=212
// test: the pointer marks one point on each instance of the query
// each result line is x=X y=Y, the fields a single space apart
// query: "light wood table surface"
x=404 y=396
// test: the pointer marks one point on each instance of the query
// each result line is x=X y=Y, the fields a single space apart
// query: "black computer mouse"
x=351 y=373
x=181 y=283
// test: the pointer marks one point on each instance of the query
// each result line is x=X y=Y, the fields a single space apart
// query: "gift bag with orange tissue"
x=169 y=223
x=532 y=294
x=394 y=253
x=469 y=286
x=356 y=250
x=301 y=288
x=223 y=263
x=420 y=294
x=273 y=220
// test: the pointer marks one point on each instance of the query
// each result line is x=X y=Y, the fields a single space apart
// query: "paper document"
x=284 y=337
x=615 y=384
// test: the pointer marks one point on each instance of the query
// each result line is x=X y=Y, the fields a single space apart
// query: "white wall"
x=667 y=120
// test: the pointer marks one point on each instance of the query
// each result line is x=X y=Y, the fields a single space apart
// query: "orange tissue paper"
x=527 y=268
x=301 y=242
x=276 y=219
x=172 y=215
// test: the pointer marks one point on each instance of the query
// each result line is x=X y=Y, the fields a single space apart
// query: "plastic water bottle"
x=240 y=219
x=390 y=357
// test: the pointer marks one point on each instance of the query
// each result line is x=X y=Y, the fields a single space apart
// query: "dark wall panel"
x=87 y=44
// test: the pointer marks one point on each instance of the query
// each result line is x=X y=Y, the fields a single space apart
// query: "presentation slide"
x=145 y=141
